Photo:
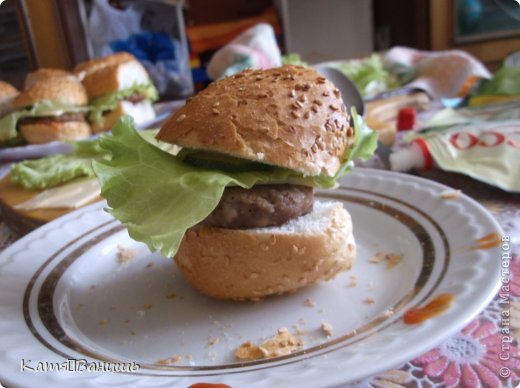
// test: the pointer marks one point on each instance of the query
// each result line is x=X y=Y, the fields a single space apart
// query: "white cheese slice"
x=70 y=195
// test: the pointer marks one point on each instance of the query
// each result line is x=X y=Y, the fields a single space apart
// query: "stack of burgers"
x=59 y=105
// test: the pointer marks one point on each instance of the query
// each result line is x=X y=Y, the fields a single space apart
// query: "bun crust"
x=40 y=133
x=44 y=73
x=85 y=68
x=254 y=263
x=113 y=77
x=65 y=89
x=289 y=116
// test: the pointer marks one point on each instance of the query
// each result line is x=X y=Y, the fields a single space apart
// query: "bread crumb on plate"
x=125 y=254
x=281 y=344
x=450 y=194
x=326 y=328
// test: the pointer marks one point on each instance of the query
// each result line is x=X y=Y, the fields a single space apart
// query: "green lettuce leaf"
x=55 y=170
x=369 y=74
x=505 y=82
x=109 y=101
x=40 y=109
x=158 y=197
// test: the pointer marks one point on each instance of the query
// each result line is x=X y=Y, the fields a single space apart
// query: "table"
x=478 y=354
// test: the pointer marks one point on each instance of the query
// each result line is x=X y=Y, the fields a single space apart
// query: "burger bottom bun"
x=39 y=133
x=254 y=263
x=141 y=112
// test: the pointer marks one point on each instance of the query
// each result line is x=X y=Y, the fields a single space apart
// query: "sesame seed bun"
x=65 y=89
x=289 y=116
x=254 y=263
x=85 y=68
x=44 y=73
x=45 y=132
x=118 y=76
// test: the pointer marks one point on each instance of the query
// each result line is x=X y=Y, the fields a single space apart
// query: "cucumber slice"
x=216 y=161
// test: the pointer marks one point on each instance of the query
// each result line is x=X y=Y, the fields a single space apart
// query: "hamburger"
x=117 y=85
x=52 y=108
x=235 y=207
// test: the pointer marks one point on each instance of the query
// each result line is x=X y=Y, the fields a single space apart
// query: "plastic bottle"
x=416 y=155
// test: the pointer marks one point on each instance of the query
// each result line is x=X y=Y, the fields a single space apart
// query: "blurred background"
x=185 y=34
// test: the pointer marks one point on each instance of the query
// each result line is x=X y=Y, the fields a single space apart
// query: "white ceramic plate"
x=64 y=295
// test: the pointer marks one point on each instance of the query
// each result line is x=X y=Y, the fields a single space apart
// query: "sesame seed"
x=321 y=80
x=307 y=115
x=314 y=148
x=333 y=107
x=336 y=92
x=298 y=104
x=215 y=112
x=314 y=109
x=306 y=86
x=303 y=98
x=294 y=114
x=326 y=93
x=350 y=132
x=180 y=118
x=318 y=102
x=217 y=103
x=292 y=93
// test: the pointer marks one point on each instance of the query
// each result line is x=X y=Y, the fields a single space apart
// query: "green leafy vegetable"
x=505 y=82
x=54 y=170
x=369 y=74
x=40 y=109
x=293 y=59
x=158 y=197
x=109 y=101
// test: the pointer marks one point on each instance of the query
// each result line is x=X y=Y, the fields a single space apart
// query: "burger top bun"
x=85 y=68
x=44 y=73
x=289 y=116
x=65 y=89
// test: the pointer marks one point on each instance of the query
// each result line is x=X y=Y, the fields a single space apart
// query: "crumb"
x=103 y=322
x=127 y=321
x=140 y=313
x=391 y=259
x=79 y=306
x=369 y=301
x=170 y=360
x=388 y=313
x=281 y=344
x=171 y=296
x=147 y=306
x=92 y=287
x=132 y=332
x=309 y=303
x=326 y=328
x=451 y=194
x=149 y=265
x=124 y=255
x=213 y=341
x=248 y=351
x=352 y=283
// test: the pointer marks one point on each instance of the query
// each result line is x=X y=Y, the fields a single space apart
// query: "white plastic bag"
x=153 y=32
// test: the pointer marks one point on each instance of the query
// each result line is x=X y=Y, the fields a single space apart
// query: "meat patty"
x=73 y=116
x=135 y=98
x=262 y=205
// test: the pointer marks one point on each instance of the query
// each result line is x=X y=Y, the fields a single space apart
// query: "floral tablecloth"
x=485 y=353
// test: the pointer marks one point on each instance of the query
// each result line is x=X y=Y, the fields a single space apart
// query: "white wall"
x=324 y=30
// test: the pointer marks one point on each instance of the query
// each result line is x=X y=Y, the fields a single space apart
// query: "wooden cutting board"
x=23 y=221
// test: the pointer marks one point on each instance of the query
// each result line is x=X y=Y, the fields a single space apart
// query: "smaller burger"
x=52 y=108
x=117 y=85
x=236 y=206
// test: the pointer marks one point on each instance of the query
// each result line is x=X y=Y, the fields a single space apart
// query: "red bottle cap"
x=406 y=119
